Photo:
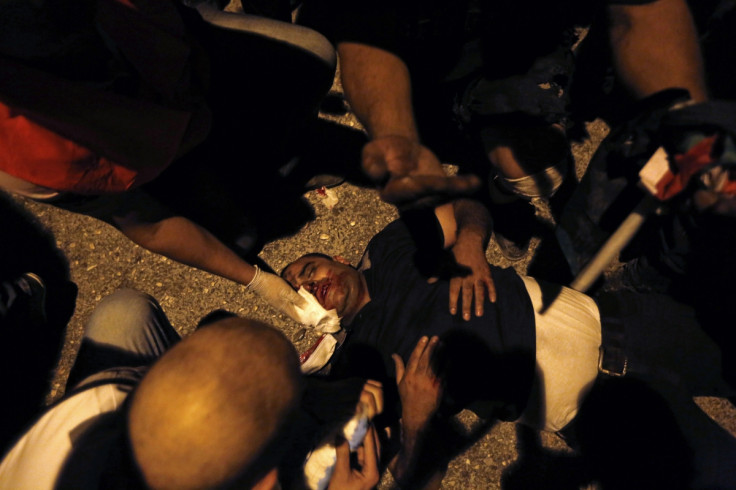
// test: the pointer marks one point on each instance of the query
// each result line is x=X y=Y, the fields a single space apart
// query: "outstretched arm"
x=655 y=47
x=185 y=241
x=377 y=84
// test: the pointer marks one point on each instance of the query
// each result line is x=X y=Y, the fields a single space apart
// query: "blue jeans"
x=127 y=329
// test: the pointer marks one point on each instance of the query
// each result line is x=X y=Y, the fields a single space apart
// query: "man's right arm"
x=182 y=240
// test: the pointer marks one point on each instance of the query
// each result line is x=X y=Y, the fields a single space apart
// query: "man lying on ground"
x=527 y=358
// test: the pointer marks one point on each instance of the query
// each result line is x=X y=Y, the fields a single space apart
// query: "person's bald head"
x=210 y=408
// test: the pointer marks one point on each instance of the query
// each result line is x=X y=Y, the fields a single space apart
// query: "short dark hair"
x=311 y=254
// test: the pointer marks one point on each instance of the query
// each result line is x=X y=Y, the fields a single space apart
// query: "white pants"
x=568 y=340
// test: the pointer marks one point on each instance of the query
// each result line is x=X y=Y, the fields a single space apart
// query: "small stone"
x=324 y=236
x=299 y=336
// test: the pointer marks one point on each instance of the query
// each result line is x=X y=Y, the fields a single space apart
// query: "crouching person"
x=145 y=409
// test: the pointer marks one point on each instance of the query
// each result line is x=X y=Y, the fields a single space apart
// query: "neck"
x=363 y=299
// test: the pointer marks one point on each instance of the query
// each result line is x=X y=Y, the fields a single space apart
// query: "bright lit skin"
x=336 y=285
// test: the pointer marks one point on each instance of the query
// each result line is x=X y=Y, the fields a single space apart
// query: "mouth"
x=321 y=291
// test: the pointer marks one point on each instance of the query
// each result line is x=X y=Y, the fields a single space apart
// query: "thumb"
x=287 y=294
x=342 y=458
x=399 y=363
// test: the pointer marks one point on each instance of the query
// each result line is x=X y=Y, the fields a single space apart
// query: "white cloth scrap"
x=314 y=315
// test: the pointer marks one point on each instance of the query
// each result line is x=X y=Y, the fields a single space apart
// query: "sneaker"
x=27 y=291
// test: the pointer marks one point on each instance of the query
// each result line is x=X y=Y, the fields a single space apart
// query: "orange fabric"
x=65 y=135
x=31 y=152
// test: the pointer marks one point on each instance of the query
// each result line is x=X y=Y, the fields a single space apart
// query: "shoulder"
x=51 y=439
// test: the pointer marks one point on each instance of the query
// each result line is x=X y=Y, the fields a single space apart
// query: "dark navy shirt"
x=489 y=359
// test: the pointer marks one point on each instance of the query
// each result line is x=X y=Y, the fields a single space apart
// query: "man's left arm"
x=466 y=226
x=655 y=47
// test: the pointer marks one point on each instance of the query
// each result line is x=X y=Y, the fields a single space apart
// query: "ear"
x=342 y=260
x=268 y=482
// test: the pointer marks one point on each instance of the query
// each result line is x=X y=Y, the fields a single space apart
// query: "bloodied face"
x=335 y=285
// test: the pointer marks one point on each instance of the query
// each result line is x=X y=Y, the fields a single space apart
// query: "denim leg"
x=128 y=328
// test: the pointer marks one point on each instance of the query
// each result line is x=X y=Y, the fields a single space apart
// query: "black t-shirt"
x=489 y=359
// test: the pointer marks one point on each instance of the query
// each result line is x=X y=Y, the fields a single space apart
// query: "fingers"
x=410 y=189
x=455 y=284
x=468 y=298
x=416 y=354
x=491 y=286
x=399 y=363
x=423 y=364
x=372 y=397
x=421 y=356
x=479 y=297
x=288 y=295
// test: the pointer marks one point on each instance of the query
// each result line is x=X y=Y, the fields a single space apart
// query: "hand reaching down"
x=410 y=175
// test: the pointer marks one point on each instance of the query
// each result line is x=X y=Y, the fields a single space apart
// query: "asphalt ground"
x=102 y=260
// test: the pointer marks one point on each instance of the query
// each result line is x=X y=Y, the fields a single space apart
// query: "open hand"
x=474 y=283
x=419 y=388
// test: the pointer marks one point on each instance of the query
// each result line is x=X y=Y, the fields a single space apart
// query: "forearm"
x=474 y=223
x=655 y=47
x=184 y=241
x=410 y=467
x=377 y=85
